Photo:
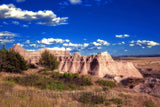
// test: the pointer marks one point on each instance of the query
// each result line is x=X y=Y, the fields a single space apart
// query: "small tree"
x=16 y=62
x=11 y=61
x=48 y=60
x=3 y=55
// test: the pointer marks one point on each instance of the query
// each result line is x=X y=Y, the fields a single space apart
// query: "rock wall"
x=99 y=65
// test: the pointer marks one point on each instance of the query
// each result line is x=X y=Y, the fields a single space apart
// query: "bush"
x=149 y=103
x=11 y=61
x=116 y=100
x=109 y=84
x=93 y=99
x=48 y=60
x=74 y=79
x=85 y=81
x=42 y=82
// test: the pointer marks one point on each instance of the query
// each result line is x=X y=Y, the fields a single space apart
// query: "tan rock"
x=99 y=65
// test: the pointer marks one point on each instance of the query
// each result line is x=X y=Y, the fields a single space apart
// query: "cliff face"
x=100 y=65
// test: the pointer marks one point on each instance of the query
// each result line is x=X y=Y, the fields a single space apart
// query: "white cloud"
x=25 y=25
x=20 y=1
x=7 y=34
x=85 y=3
x=125 y=50
x=3 y=41
x=99 y=47
x=33 y=45
x=131 y=44
x=72 y=45
x=75 y=1
x=100 y=42
x=20 y=44
x=5 y=23
x=50 y=41
x=27 y=41
x=144 y=43
x=123 y=42
x=6 y=37
x=96 y=44
x=103 y=42
x=46 y=17
x=122 y=36
x=67 y=40
x=57 y=48
x=31 y=50
x=15 y=22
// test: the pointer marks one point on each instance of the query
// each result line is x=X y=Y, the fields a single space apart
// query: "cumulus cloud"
x=20 y=44
x=50 y=41
x=65 y=44
x=45 y=17
x=31 y=50
x=75 y=45
x=131 y=44
x=36 y=45
x=62 y=49
x=75 y=1
x=100 y=42
x=122 y=36
x=144 y=43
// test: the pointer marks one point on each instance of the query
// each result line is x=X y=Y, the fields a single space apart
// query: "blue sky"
x=121 y=27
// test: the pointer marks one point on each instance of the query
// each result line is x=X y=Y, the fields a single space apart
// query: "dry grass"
x=14 y=95
x=143 y=62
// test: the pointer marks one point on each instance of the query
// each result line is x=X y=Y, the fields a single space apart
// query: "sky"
x=120 y=27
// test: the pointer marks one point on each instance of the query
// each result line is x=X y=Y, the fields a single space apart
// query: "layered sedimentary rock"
x=100 y=65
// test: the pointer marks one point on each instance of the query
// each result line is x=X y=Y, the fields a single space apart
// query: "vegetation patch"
x=60 y=82
x=149 y=103
x=74 y=79
x=116 y=101
x=11 y=61
x=131 y=82
x=48 y=60
x=92 y=99
x=106 y=84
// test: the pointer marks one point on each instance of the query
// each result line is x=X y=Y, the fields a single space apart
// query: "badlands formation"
x=99 y=65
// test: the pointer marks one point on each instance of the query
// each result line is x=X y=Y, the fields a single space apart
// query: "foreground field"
x=32 y=89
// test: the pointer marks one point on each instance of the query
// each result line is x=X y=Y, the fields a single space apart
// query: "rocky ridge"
x=99 y=65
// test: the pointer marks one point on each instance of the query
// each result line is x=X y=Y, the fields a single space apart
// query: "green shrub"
x=116 y=100
x=42 y=82
x=105 y=88
x=70 y=76
x=11 y=61
x=48 y=60
x=85 y=98
x=56 y=75
x=109 y=84
x=98 y=99
x=149 y=103
x=85 y=81
x=76 y=79
x=92 y=99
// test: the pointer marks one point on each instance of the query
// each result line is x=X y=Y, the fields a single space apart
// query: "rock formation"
x=100 y=65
